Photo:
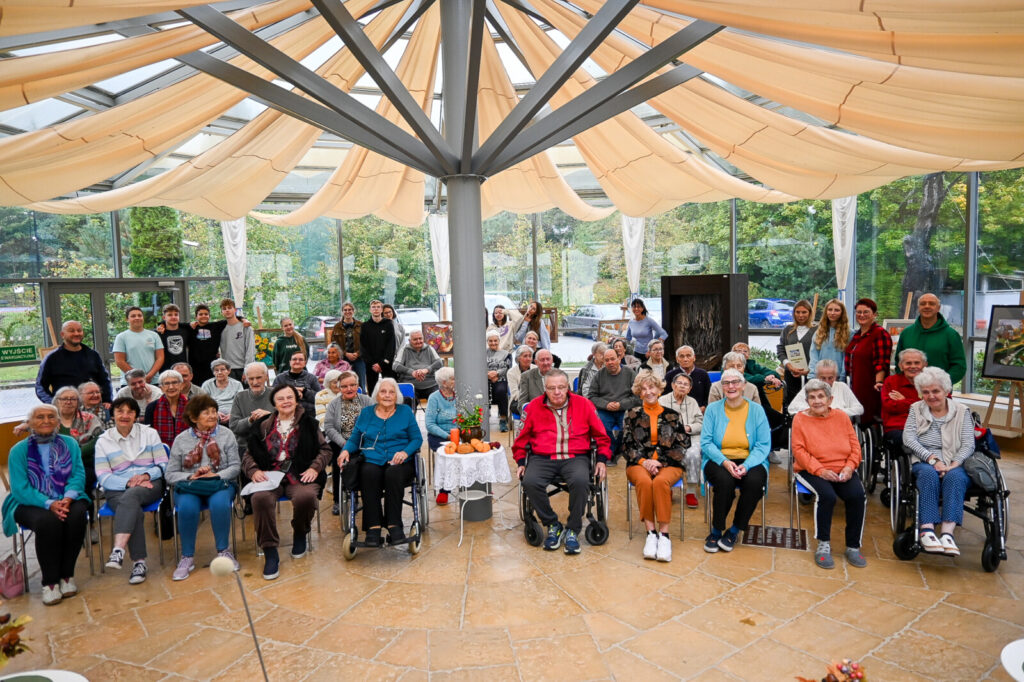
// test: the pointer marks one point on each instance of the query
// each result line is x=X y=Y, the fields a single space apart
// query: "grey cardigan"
x=230 y=462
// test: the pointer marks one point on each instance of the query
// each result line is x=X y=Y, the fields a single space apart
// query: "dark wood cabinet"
x=708 y=312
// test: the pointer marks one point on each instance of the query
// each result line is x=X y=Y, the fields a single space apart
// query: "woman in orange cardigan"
x=826 y=454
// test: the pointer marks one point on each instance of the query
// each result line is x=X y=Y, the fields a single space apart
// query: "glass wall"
x=692 y=239
x=45 y=245
x=387 y=262
x=21 y=324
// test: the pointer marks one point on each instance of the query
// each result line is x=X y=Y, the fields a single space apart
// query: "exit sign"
x=17 y=354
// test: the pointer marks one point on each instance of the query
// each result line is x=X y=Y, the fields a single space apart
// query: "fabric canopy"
x=799 y=99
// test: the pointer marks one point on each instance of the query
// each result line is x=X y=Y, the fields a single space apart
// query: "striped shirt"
x=118 y=457
x=561 y=415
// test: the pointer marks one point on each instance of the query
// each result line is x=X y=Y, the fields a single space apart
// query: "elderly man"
x=140 y=389
x=71 y=364
x=611 y=391
x=933 y=335
x=559 y=428
x=138 y=347
x=686 y=361
x=250 y=405
x=531 y=383
x=188 y=389
x=416 y=364
x=842 y=397
x=304 y=381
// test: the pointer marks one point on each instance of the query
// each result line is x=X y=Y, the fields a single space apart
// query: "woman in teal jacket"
x=734 y=442
x=48 y=497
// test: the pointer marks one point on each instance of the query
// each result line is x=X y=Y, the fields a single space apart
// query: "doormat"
x=774 y=536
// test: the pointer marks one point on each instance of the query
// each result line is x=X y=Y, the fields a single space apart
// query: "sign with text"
x=17 y=354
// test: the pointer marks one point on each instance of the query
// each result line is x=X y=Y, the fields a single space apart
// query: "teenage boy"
x=175 y=336
x=237 y=341
x=138 y=347
x=204 y=344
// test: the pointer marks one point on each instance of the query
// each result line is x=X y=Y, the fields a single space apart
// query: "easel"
x=1016 y=396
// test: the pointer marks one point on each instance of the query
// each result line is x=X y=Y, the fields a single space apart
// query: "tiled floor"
x=498 y=609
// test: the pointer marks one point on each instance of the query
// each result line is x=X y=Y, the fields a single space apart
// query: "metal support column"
x=970 y=277
x=536 y=277
x=733 y=259
x=115 y=236
x=341 y=267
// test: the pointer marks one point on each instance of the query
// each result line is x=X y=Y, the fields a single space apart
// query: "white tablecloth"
x=461 y=471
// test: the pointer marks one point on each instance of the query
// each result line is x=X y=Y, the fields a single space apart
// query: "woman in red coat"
x=867 y=359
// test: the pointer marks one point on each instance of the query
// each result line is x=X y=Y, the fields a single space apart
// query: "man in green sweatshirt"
x=933 y=335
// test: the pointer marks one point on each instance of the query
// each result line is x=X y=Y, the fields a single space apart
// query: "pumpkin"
x=479 y=445
x=464 y=449
x=449 y=448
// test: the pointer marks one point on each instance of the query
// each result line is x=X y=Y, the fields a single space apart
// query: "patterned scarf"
x=282 y=448
x=82 y=426
x=60 y=467
x=194 y=457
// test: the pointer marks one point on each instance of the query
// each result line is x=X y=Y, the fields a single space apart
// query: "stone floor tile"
x=625 y=665
x=140 y=652
x=499 y=673
x=934 y=658
x=121 y=672
x=504 y=605
x=360 y=640
x=607 y=630
x=677 y=647
x=94 y=638
x=817 y=636
x=554 y=627
x=573 y=657
x=206 y=653
x=407 y=649
x=877 y=669
x=915 y=599
x=866 y=613
x=969 y=629
x=454 y=649
x=769 y=661
x=290 y=626
x=955 y=579
x=173 y=612
x=283 y=661
x=310 y=593
x=730 y=619
x=781 y=599
x=995 y=607
x=342 y=667
x=646 y=611
x=698 y=587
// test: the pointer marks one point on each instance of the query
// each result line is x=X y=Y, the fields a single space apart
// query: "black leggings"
x=58 y=543
x=826 y=494
x=751 y=489
x=387 y=481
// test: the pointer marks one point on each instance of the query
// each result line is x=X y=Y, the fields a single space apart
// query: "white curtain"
x=438 y=224
x=844 y=214
x=633 y=250
x=233 y=232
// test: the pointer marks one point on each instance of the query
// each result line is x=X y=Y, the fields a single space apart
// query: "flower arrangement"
x=469 y=417
x=846 y=670
x=11 y=643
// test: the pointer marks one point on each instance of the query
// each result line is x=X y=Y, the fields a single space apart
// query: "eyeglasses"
x=170 y=382
x=69 y=399
x=732 y=382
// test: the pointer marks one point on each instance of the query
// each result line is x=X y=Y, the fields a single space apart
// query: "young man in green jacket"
x=933 y=335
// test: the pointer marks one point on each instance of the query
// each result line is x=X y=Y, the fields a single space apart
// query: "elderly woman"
x=440 y=415
x=48 y=497
x=733 y=360
x=498 y=362
x=594 y=365
x=522 y=361
x=288 y=441
x=388 y=438
x=799 y=331
x=830 y=338
x=84 y=427
x=691 y=420
x=330 y=392
x=826 y=454
x=686 y=362
x=656 y=361
x=642 y=329
x=92 y=402
x=339 y=421
x=130 y=462
x=654 y=443
x=899 y=394
x=222 y=388
x=286 y=344
x=505 y=322
x=734 y=446
x=533 y=321
x=867 y=360
x=940 y=434
x=204 y=467
x=166 y=414
x=331 y=361
x=625 y=357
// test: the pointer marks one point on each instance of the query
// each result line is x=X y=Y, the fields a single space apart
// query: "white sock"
x=824 y=547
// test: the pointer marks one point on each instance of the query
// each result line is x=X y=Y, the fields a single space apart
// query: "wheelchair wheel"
x=905 y=546
x=348 y=546
x=885 y=497
x=990 y=557
x=533 y=532
x=596 y=533
x=869 y=452
x=424 y=509
x=344 y=506
x=415 y=545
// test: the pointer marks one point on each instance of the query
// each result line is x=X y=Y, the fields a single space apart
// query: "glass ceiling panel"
x=66 y=45
x=38 y=114
x=121 y=82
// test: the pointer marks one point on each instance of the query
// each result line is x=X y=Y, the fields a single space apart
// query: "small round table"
x=458 y=472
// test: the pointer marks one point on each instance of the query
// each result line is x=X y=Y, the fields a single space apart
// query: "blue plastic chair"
x=106 y=511
x=408 y=392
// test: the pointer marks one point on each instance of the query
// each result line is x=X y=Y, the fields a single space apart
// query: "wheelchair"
x=993 y=508
x=596 y=530
x=351 y=506
x=874 y=457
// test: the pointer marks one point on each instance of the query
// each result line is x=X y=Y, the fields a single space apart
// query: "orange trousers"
x=654 y=495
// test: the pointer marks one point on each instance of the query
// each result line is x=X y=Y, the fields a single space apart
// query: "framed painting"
x=438 y=335
x=1004 y=347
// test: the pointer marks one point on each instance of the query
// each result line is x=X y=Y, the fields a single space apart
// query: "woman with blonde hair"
x=830 y=339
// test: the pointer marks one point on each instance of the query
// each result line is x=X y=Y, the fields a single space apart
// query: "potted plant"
x=468 y=419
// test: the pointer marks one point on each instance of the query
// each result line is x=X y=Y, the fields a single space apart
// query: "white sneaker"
x=51 y=595
x=184 y=569
x=651 y=546
x=930 y=542
x=664 y=548
x=68 y=587
x=227 y=553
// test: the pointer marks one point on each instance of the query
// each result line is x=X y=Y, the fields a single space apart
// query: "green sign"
x=17 y=354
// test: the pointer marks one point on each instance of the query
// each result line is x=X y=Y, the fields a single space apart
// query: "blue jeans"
x=220 y=518
x=951 y=488
x=612 y=421
x=359 y=367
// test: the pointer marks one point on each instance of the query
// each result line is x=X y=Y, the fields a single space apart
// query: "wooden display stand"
x=1016 y=397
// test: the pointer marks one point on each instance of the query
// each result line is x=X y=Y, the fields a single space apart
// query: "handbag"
x=350 y=472
x=201 y=487
x=12 y=577
x=982 y=471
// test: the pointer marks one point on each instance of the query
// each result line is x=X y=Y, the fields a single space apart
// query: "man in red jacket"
x=559 y=428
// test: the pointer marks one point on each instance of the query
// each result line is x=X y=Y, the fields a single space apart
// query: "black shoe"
x=335 y=510
x=272 y=563
x=299 y=546
x=373 y=538
x=395 y=535
x=805 y=498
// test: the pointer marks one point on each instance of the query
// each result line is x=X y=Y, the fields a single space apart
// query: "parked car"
x=585 y=320
x=317 y=326
x=766 y=313
x=411 y=318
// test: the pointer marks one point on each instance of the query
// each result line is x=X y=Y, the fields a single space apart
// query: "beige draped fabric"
x=32 y=16
x=36 y=77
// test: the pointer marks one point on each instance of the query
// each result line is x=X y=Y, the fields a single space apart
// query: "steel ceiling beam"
x=469 y=123
x=387 y=135
x=497 y=22
x=553 y=127
x=455 y=22
x=345 y=25
x=405 y=23
x=561 y=70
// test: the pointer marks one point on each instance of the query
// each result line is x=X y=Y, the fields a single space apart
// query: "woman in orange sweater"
x=825 y=458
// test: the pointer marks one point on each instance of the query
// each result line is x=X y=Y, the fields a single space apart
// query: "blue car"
x=766 y=313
